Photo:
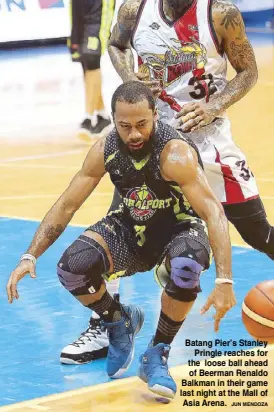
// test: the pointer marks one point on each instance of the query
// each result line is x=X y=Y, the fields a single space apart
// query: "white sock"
x=93 y=118
x=103 y=113
x=112 y=288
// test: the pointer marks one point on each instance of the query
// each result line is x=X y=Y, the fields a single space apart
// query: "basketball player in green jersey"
x=167 y=208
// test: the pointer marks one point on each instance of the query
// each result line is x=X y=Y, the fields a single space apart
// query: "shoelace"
x=92 y=331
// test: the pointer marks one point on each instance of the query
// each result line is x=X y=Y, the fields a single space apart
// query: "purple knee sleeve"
x=71 y=281
x=185 y=272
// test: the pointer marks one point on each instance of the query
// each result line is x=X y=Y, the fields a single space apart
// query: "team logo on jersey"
x=181 y=58
x=193 y=28
x=143 y=203
x=155 y=26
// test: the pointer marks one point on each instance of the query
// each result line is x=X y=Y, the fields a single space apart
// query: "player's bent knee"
x=82 y=265
x=184 y=283
x=185 y=272
x=91 y=62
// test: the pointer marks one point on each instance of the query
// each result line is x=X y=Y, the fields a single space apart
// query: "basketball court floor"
x=41 y=103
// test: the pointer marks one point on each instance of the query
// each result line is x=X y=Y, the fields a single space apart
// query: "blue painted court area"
x=46 y=317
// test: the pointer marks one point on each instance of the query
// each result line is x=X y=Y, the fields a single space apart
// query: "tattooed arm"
x=119 y=48
x=61 y=213
x=230 y=31
x=119 y=44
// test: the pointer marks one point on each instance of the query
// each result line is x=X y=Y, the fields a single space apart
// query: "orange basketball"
x=258 y=311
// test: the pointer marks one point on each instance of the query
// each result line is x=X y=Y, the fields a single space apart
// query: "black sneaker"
x=86 y=131
x=91 y=345
x=103 y=125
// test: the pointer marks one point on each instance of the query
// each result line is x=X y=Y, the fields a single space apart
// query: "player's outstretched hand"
x=193 y=116
x=23 y=268
x=223 y=299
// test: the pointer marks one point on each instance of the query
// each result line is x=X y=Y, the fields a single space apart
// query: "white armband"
x=28 y=256
x=220 y=281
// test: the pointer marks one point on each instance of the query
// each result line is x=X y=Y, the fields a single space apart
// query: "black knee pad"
x=183 y=295
x=82 y=265
x=91 y=61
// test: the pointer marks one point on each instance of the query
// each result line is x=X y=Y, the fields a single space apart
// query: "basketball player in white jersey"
x=183 y=47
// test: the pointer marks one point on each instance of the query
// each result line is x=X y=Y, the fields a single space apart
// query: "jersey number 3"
x=199 y=90
x=140 y=234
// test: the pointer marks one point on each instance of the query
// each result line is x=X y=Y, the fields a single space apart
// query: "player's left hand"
x=223 y=299
x=193 y=116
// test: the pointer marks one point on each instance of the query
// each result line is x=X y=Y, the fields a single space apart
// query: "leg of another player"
x=96 y=119
x=93 y=91
x=249 y=218
x=80 y=271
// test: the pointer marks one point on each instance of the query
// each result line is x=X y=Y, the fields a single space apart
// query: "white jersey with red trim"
x=178 y=54
x=184 y=56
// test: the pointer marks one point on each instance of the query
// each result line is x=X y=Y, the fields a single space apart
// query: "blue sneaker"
x=121 y=340
x=154 y=370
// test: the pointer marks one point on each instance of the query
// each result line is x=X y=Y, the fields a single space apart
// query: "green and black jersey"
x=147 y=199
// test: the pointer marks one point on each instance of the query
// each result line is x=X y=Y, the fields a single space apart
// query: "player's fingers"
x=217 y=324
x=206 y=306
x=14 y=292
x=32 y=273
x=141 y=76
x=187 y=117
x=32 y=270
x=199 y=111
x=8 y=289
x=220 y=313
x=190 y=124
x=151 y=83
x=187 y=108
x=198 y=126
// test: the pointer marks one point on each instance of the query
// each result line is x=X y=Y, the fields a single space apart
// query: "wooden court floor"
x=34 y=173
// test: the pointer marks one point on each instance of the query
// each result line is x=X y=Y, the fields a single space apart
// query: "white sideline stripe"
x=28 y=197
x=100 y=194
x=36 y=166
x=33 y=219
x=49 y=196
x=41 y=156
x=258 y=318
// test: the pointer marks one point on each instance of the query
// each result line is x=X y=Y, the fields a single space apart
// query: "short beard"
x=139 y=154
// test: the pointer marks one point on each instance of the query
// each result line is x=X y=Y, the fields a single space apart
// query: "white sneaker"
x=91 y=345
